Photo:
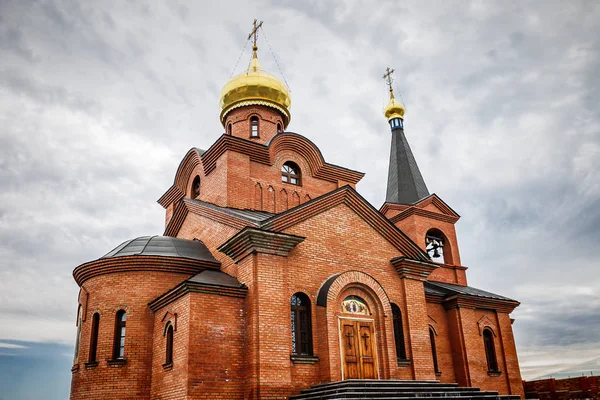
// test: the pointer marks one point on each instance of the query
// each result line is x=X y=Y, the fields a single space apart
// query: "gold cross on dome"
x=388 y=76
x=254 y=30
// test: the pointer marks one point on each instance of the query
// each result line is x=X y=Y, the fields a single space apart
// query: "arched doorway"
x=357 y=340
x=351 y=308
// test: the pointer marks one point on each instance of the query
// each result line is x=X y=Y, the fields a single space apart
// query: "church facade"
x=274 y=274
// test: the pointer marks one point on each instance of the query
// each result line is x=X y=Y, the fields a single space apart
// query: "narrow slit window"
x=434 y=351
x=301 y=325
x=398 y=333
x=490 y=350
x=254 y=126
x=119 y=342
x=169 y=345
x=279 y=129
x=94 y=338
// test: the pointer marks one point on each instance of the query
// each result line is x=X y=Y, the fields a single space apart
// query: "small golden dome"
x=255 y=87
x=393 y=109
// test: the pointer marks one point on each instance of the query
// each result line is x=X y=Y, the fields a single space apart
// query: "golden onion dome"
x=255 y=87
x=394 y=109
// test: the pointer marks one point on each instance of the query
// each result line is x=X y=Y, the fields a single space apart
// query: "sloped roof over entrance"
x=448 y=289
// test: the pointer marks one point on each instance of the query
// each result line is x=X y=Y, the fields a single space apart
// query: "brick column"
x=412 y=274
x=262 y=265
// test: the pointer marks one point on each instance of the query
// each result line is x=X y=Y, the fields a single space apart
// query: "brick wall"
x=107 y=294
x=583 y=387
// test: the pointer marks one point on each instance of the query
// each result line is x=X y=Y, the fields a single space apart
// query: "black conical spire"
x=405 y=182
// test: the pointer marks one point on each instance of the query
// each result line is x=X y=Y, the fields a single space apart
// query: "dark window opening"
x=290 y=173
x=169 y=349
x=94 y=337
x=490 y=350
x=229 y=129
x=119 y=342
x=279 y=129
x=434 y=351
x=254 y=126
x=398 y=333
x=301 y=325
x=195 y=187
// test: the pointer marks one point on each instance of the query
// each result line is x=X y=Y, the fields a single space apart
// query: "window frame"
x=254 y=122
x=490 y=350
x=93 y=355
x=398 y=332
x=436 y=365
x=120 y=333
x=301 y=325
x=169 y=339
x=294 y=173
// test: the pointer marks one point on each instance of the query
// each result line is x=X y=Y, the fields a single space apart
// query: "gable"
x=359 y=207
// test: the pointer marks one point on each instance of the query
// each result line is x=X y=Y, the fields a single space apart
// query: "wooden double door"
x=359 y=354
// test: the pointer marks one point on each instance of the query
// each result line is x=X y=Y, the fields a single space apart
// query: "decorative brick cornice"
x=251 y=240
x=136 y=263
x=194 y=287
x=265 y=153
x=412 y=210
x=473 y=302
x=446 y=213
x=413 y=269
x=177 y=220
x=182 y=176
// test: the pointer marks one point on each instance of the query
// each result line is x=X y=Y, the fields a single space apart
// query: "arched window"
x=490 y=350
x=229 y=128
x=119 y=342
x=78 y=338
x=195 y=187
x=301 y=325
x=398 y=333
x=290 y=173
x=435 y=243
x=254 y=126
x=169 y=345
x=434 y=350
x=94 y=337
x=279 y=128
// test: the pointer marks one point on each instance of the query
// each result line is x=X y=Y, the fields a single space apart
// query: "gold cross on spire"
x=388 y=77
x=253 y=33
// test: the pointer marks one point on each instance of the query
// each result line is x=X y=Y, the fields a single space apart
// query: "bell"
x=436 y=253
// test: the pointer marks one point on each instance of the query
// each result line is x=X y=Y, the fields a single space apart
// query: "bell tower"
x=424 y=217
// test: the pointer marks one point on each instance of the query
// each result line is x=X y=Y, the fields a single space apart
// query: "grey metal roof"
x=249 y=215
x=216 y=278
x=164 y=246
x=405 y=182
x=448 y=289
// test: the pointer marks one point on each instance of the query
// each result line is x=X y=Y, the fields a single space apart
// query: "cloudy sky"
x=100 y=100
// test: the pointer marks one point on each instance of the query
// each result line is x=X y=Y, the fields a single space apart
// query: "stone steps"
x=395 y=390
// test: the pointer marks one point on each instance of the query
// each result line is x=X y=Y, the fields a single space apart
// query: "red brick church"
x=274 y=274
